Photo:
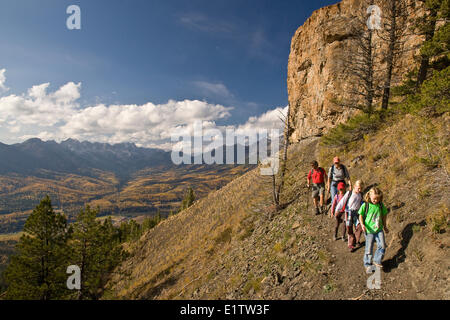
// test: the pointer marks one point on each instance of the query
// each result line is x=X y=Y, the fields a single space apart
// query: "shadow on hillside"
x=367 y=189
x=362 y=246
x=156 y=290
x=400 y=256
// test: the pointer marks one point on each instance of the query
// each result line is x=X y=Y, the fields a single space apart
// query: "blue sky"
x=230 y=53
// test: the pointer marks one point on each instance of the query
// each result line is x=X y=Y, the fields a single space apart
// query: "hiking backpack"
x=345 y=171
x=348 y=198
x=311 y=172
x=366 y=208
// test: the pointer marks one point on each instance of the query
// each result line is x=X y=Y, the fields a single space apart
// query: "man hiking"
x=318 y=176
x=337 y=173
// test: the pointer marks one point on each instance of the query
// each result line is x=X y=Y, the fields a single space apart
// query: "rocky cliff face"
x=317 y=72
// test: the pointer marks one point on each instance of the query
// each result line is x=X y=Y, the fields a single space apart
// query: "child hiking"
x=372 y=216
x=318 y=176
x=338 y=215
x=352 y=201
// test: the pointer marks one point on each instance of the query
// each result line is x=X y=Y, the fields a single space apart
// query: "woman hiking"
x=337 y=173
x=318 y=176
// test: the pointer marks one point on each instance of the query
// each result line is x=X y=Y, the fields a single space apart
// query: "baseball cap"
x=341 y=186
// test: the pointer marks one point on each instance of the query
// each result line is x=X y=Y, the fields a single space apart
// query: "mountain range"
x=121 y=179
x=72 y=156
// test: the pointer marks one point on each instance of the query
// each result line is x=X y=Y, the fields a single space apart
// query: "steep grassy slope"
x=183 y=247
x=231 y=246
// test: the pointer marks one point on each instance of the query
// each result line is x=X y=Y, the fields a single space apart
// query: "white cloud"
x=57 y=116
x=142 y=124
x=198 y=21
x=272 y=119
x=3 y=88
x=254 y=125
x=40 y=108
x=213 y=89
x=14 y=129
x=44 y=135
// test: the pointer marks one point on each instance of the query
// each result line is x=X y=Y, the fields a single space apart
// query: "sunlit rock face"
x=317 y=71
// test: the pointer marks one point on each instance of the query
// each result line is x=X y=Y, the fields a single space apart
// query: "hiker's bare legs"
x=316 y=205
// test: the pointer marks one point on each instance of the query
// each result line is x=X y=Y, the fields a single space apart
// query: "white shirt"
x=353 y=204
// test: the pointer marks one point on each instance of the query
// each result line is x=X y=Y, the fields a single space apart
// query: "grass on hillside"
x=222 y=248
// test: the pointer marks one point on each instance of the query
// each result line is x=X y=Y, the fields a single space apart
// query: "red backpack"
x=311 y=172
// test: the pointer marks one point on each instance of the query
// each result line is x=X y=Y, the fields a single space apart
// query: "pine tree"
x=38 y=270
x=151 y=222
x=434 y=95
x=435 y=11
x=112 y=253
x=434 y=52
x=135 y=230
x=437 y=48
x=188 y=200
x=158 y=217
x=86 y=244
x=96 y=250
x=123 y=231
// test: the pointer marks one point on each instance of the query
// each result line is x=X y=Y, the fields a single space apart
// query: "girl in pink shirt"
x=339 y=215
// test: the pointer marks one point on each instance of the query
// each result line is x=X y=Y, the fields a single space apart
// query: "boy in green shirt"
x=373 y=222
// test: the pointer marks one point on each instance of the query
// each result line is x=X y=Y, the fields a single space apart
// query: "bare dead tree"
x=365 y=68
x=395 y=17
x=276 y=200
x=277 y=189
x=362 y=66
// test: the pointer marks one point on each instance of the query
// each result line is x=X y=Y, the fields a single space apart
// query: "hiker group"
x=357 y=213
